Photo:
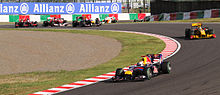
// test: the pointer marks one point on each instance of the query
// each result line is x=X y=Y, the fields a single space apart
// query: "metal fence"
x=169 y=6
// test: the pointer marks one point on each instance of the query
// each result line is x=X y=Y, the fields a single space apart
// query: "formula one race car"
x=96 y=22
x=150 y=66
x=198 y=31
x=146 y=18
x=52 y=21
x=139 y=20
x=26 y=23
x=110 y=20
x=82 y=22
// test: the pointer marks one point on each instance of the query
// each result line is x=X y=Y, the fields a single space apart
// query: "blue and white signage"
x=59 y=8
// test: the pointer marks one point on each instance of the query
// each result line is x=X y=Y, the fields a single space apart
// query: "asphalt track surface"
x=195 y=68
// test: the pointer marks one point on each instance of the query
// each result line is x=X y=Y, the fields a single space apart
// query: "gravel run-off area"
x=28 y=51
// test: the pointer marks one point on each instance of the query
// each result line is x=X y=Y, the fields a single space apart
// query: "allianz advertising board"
x=59 y=8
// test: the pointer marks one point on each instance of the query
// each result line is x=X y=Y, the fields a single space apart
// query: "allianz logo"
x=24 y=8
x=93 y=8
x=99 y=9
x=68 y=8
x=48 y=8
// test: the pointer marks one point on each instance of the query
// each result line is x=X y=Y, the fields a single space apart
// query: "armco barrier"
x=41 y=18
x=213 y=13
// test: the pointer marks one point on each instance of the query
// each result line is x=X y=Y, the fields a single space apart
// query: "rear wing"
x=196 y=24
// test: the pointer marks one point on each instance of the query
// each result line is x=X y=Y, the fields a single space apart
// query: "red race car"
x=26 y=23
x=52 y=21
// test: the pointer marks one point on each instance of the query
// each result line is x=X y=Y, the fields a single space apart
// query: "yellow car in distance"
x=198 y=31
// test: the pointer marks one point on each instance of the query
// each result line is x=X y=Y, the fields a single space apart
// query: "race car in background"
x=82 y=21
x=26 y=23
x=52 y=21
x=96 y=22
x=139 y=20
x=110 y=20
x=146 y=18
x=198 y=31
x=152 y=65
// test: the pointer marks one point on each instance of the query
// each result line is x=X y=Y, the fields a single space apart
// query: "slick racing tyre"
x=188 y=33
x=148 y=73
x=16 y=25
x=119 y=72
x=74 y=23
x=210 y=31
x=45 y=23
x=82 y=24
x=166 y=67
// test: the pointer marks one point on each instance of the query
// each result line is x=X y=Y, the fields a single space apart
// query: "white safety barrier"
x=67 y=17
x=4 y=18
x=35 y=18
x=123 y=16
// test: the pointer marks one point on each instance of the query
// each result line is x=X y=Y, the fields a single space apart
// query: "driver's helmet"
x=140 y=63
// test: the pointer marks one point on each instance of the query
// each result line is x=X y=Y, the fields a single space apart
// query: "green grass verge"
x=7 y=23
x=133 y=46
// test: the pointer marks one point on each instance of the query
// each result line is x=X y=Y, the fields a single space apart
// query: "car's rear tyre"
x=65 y=21
x=52 y=24
x=20 y=24
x=114 y=21
x=82 y=24
x=74 y=23
x=148 y=73
x=16 y=25
x=166 y=67
x=45 y=23
x=187 y=33
x=211 y=31
x=135 y=20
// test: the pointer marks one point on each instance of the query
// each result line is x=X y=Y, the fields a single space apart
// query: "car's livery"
x=82 y=21
x=26 y=23
x=198 y=31
x=96 y=22
x=52 y=21
x=110 y=20
x=150 y=66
